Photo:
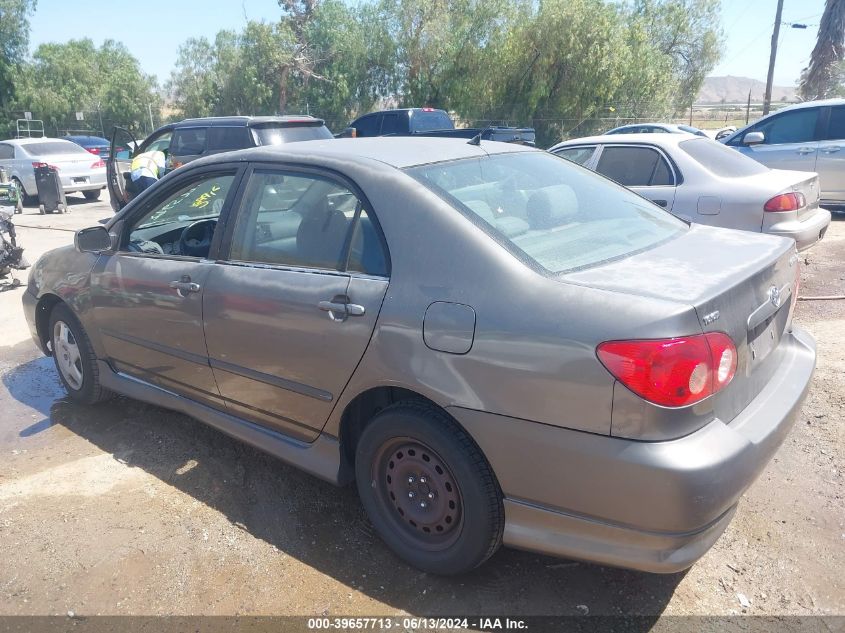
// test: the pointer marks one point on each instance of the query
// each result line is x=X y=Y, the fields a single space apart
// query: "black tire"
x=88 y=390
x=462 y=527
x=91 y=196
x=26 y=199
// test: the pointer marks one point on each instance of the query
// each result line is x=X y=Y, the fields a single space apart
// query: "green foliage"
x=76 y=76
x=554 y=64
x=14 y=39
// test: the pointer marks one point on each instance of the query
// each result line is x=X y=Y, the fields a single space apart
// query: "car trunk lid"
x=738 y=283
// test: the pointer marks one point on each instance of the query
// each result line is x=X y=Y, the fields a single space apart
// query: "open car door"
x=123 y=146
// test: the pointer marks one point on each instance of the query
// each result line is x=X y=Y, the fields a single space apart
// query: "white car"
x=703 y=181
x=79 y=170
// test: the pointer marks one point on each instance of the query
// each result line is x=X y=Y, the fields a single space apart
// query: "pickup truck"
x=429 y=122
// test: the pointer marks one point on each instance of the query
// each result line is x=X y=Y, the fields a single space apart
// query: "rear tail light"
x=38 y=164
x=98 y=164
x=786 y=202
x=674 y=372
x=94 y=150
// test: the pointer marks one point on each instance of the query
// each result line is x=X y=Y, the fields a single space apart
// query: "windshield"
x=51 y=148
x=721 y=160
x=545 y=209
x=276 y=135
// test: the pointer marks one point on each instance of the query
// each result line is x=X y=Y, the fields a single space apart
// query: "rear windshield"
x=549 y=211
x=50 y=148
x=428 y=121
x=276 y=135
x=721 y=160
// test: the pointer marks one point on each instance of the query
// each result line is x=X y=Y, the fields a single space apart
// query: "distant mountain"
x=731 y=89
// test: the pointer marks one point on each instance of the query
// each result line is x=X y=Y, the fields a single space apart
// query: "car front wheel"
x=74 y=357
x=428 y=490
x=91 y=196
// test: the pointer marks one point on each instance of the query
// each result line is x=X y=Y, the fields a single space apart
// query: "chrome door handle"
x=339 y=311
x=806 y=150
x=660 y=203
x=185 y=285
x=831 y=150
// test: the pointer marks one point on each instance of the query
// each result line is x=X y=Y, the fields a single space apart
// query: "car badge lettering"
x=710 y=318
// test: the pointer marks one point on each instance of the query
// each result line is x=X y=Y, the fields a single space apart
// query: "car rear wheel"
x=428 y=490
x=26 y=199
x=74 y=357
x=91 y=196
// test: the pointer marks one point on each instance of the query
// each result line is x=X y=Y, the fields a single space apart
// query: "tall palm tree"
x=818 y=78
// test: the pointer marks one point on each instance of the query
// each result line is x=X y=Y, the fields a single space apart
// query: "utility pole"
x=767 y=99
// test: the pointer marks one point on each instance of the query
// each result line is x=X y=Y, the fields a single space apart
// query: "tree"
x=821 y=78
x=77 y=76
x=14 y=40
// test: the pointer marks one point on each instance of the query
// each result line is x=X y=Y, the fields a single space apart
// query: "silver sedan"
x=79 y=170
x=703 y=181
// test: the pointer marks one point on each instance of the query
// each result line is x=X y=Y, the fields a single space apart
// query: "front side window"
x=161 y=229
x=161 y=144
x=293 y=219
x=368 y=125
x=635 y=166
x=189 y=141
x=547 y=210
x=579 y=155
x=791 y=127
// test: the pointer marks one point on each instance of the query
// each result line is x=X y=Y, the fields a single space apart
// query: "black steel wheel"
x=428 y=490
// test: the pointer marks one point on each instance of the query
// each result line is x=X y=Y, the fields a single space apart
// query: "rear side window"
x=189 y=141
x=836 y=126
x=278 y=134
x=548 y=211
x=721 y=160
x=390 y=124
x=635 y=166
x=228 y=138
x=579 y=155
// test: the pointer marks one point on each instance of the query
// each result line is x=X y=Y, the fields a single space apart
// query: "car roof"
x=399 y=152
x=663 y=125
x=223 y=121
x=660 y=139
x=41 y=139
x=789 y=108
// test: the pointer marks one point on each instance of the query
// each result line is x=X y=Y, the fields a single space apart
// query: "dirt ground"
x=126 y=508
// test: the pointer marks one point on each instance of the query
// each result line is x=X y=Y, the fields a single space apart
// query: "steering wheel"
x=195 y=240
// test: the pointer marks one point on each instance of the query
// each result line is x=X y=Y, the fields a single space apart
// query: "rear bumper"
x=93 y=181
x=805 y=232
x=652 y=506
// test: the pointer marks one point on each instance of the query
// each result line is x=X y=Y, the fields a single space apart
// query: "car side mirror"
x=349 y=132
x=95 y=239
x=753 y=138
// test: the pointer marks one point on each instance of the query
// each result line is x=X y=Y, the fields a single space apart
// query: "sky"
x=154 y=35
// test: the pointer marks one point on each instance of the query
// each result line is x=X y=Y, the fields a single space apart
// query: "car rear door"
x=789 y=140
x=118 y=166
x=189 y=143
x=830 y=161
x=642 y=168
x=580 y=154
x=147 y=296
x=290 y=311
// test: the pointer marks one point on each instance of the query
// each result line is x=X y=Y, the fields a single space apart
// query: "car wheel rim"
x=419 y=494
x=68 y=358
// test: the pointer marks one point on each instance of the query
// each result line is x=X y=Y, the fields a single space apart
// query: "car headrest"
x=320 y=237
x=552 y=206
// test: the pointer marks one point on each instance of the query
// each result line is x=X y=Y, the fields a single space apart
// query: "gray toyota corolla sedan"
x=498 y=345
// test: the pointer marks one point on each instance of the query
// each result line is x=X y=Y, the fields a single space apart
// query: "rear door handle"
x=831 y=150
x=806 y=150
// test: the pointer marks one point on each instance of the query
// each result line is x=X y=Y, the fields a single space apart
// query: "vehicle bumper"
x=651 y=506
x=92 y=182
x=806 y=232
x=30 y=303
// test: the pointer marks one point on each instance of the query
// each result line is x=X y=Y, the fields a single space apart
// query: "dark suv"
x=186 y=140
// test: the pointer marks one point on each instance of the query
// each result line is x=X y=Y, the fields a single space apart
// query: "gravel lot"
x=126 y=508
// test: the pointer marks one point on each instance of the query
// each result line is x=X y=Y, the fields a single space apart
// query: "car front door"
x=147 y=296
x=789 y=140
x=289 y=313
x=643 y=169
x=118 y=165
x=830 y=162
